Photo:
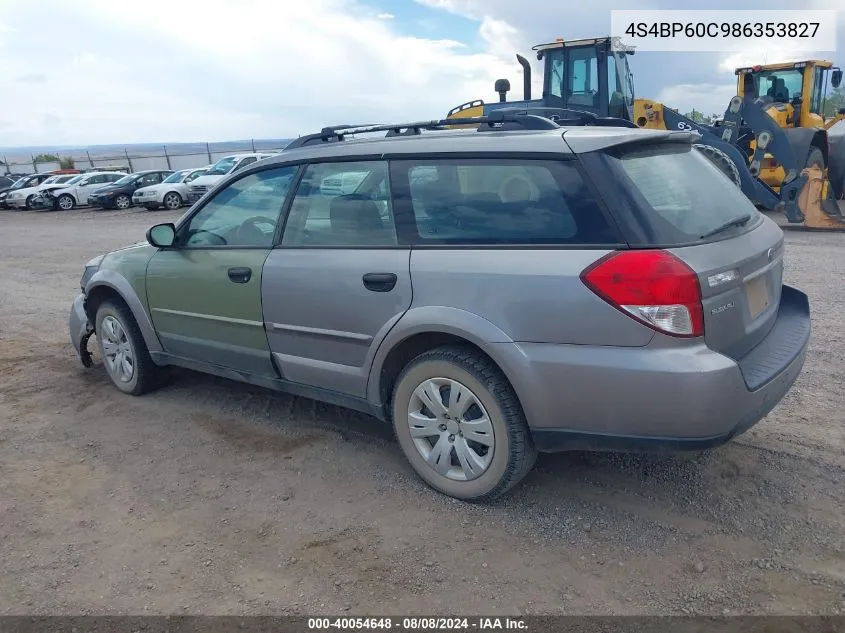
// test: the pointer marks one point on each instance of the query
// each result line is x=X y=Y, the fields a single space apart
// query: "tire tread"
x=523 y=453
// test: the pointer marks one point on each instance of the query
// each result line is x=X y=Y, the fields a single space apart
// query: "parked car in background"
x=26 y=198
x=23 y=191
x=6 y=183
x=172 y=193
x=224 y=166
x=75 y=191
x=118 y=195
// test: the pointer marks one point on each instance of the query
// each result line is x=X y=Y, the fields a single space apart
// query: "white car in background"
x=222 y=167
x=76 y=190
x=171 y=193
x=24 y=197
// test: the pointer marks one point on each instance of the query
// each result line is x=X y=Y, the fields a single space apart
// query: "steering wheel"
x=249 y=231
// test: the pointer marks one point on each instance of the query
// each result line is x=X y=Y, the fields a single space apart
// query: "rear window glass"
x=686 y=194
x=499 y=201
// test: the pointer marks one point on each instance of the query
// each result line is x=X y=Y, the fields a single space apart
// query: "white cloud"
x=385 y=16
x=190 y=71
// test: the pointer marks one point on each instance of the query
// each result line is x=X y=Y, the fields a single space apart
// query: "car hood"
x=25 y=191
x=56 y=187
x=206 y=180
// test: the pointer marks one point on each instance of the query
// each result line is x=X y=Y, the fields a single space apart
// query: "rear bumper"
x=671 y=397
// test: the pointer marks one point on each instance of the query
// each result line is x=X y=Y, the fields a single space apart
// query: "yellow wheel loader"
x=757 y=143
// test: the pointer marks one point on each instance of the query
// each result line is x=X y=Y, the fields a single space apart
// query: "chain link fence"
x=185 y=156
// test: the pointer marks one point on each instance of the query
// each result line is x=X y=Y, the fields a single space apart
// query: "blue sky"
x=110 y=71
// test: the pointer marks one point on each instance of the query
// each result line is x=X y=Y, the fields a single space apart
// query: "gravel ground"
x=219 y=498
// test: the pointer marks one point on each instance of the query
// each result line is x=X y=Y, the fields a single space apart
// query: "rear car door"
x=338 y=281
x=205 y=294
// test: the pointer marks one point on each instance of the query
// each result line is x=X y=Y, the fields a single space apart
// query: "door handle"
x=240 y=275
x=380 y=282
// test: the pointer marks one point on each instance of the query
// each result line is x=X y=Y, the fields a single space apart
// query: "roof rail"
x=495 y=120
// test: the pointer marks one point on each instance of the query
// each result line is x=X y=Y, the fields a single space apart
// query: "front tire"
x=123 y=350
x=122 y=202
x=65 y=202
x=172 y=201
x=460 y=424
x=28 y=203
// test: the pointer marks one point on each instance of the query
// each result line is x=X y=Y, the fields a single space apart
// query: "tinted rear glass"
x=500 y=201
x=684 y=196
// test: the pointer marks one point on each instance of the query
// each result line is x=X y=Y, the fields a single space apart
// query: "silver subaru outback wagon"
x=490 y=293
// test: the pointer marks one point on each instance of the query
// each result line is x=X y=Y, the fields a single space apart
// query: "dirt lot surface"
x=214 y=497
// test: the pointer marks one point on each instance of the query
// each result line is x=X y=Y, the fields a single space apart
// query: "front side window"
x=779 y=85
x=245 y=213
x=499 y=201
x=196 y=174
x=342 y=204
x=149 y=179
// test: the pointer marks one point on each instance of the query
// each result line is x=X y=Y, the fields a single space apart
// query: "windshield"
x=126 y=179
x=222 y=166
x=780 y=85
x=682 y=194
x=74 y=180
x=50 y=180
x=20 y=183
x=61 y=179
x=176 y=176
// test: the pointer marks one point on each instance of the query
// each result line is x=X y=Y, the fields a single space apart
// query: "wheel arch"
x=422 y=329
x=802 y=139
x=107 y=284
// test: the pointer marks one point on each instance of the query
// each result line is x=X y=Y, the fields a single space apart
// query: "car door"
x=89 y=185
x=204 y=294
x=338 y=281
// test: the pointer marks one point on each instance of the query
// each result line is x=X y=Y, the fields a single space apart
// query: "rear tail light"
x=654 y=287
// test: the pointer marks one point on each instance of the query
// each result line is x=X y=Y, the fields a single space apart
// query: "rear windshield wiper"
x=740 y=221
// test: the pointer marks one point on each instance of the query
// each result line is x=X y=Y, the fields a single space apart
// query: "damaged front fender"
x=80 y=330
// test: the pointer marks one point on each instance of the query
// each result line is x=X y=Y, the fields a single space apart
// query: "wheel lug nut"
x=442 y=427
x=451 y=438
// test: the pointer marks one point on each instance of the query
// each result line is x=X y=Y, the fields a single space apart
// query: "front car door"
x=338 y=281
x=89 y=185
x=205 y=293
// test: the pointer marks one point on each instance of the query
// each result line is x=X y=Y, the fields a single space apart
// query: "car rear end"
x=702 y=271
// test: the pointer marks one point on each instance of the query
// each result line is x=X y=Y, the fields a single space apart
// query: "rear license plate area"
x=757 y=293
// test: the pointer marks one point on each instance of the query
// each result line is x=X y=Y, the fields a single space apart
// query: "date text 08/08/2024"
x=417 y=623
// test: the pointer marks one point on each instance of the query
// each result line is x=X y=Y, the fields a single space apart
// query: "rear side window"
x=500 y=201
x=681 y=194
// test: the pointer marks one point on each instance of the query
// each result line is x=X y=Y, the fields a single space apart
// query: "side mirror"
x=162 y=235
x=836 y=78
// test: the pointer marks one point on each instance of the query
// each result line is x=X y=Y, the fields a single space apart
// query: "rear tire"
x=475 y=452
x=123 y=350
x=722 y=162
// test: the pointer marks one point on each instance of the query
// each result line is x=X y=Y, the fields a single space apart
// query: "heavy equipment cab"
x=587 y=75
x=798 y=90
x=798 y=168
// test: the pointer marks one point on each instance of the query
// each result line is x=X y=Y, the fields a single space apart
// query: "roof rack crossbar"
x=492 y=121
